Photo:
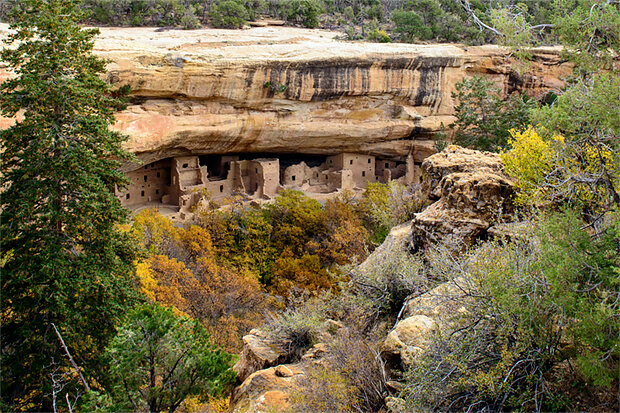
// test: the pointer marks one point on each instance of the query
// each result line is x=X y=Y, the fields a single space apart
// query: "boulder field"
x=286 y=90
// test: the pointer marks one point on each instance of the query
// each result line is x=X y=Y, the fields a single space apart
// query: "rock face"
x=409 y=337
x=471 y=191
x=259 y=352
x=267 y=390
x=266 y=381
x=434 y=312
x=287 y=90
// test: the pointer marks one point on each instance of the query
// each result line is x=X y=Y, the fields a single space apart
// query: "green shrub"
x=323 y=390
x=387 y=278
x=534 y=305
x=380 y=36
x=255 y=8
x=305 y=12
x=299 y=327
x=384 y=206
x=175 y=13
x=229 y=14
x=410 y=26
x=158 y=359
x=483 y=118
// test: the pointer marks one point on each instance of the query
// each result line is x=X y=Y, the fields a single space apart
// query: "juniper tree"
x=64 y=262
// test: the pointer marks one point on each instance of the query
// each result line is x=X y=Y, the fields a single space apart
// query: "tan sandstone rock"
x=290 y=90
x=455 y=159
x=410 y=337
x=442 y=304
x=259 y=352
x=266 y=390
x=472 y=192
x=437 y=311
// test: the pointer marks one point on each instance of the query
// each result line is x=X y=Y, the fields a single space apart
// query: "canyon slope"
x=282 y=90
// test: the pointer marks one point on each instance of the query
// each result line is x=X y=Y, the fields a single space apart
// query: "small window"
x=146 y=167
x=185 y=165
x=157 y=192
x=368 y=160
x=142 y=193
x=144 y=178
x=363 y=173
x=317 y=174
x=256 y=170
x=351 y=162
x=326 y=177
x=221 y=188
x=158 y=175
x=387 y=165
x=184 y=201
x=127 y=196
x=293 y=177
x=256 y=187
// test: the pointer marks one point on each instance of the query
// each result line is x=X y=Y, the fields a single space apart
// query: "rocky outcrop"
x=289 y=90
x=267 y=382
x=410 y=337
x=267 y=390
x=434 y=312
x=260 y=351
x=472 y=192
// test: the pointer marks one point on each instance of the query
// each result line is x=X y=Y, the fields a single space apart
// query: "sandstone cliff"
x=288 y=90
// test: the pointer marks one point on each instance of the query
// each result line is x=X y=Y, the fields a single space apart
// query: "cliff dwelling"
x=178 y=184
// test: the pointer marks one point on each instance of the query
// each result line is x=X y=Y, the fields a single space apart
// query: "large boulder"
x=260 y=351
x=442 y=304
x=410 y=337
x=434 y=312
x=455 y=159
x=267 y=383
x=471 y=193
x=267 y=390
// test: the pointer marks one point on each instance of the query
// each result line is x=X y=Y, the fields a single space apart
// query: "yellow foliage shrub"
x=529 y=160
x=553 y=168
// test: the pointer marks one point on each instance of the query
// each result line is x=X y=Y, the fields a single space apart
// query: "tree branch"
x=75 y=366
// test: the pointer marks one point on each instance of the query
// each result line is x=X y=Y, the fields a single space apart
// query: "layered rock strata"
x=286 y=90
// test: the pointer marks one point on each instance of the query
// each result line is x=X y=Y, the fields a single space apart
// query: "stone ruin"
x=178 y=184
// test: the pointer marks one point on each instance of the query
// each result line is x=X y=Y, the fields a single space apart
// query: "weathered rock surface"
x=267 y=390
x=410 y=337
x=266 y=382
x=289 y=90
x=395 y=240
x=434 y=312
x=471 y=191
x=260 y=351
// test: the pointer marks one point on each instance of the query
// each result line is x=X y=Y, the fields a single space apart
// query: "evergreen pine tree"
x=64 y=262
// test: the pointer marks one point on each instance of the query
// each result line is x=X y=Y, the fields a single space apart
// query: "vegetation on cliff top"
x=379 y=20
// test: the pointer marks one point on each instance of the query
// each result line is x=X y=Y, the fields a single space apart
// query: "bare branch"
x=75 y=366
